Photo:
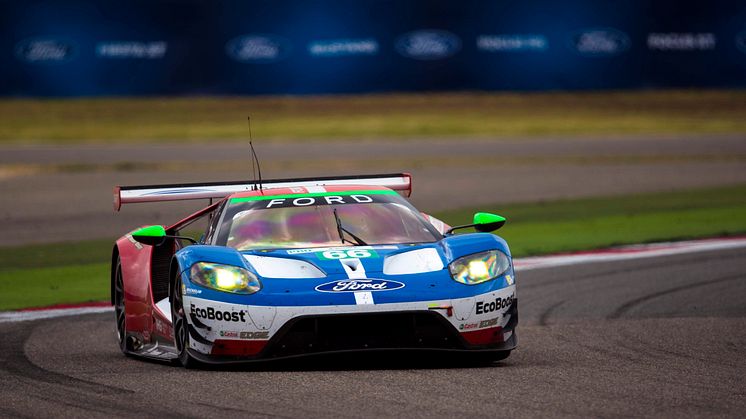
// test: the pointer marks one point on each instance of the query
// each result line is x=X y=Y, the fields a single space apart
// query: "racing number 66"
x=344 y=254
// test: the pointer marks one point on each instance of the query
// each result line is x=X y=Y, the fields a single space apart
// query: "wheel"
x=181 y=327
x=119 y=309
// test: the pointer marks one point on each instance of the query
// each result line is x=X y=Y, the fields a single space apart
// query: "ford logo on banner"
x=257 y=48
x=741 y=41
x=428 y=44
x=45 y=50
x=600 y=42
x=356 y=285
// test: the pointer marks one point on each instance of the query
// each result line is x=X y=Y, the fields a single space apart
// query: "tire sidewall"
x=185 y=359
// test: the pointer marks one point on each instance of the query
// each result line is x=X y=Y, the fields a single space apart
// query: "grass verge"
x=38 y=287
x=373 y=116
x=73 y=272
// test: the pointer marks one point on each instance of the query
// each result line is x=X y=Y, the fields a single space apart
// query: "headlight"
x=479 y=267
x=224 y=278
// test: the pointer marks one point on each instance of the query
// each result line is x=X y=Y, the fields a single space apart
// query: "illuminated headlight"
x=479 y=267
x=224 y=278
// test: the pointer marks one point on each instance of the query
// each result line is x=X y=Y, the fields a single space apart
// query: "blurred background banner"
x=156 y=47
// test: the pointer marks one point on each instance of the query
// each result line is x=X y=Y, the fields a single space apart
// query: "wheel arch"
x=112 y=279
x=173 y=273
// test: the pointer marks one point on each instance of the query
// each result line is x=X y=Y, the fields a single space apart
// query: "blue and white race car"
x=306 y=266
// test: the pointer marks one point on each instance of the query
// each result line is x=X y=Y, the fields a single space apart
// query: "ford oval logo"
x=356 y=285
x=428 y=44
x=45 y=50
x=599 y=42
x=257 y=48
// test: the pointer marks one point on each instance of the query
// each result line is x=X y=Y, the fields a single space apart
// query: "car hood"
x=322 y=276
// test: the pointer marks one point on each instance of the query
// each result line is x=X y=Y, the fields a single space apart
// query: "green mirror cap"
x=482 y=218
x=486 y=222
x=150 y=231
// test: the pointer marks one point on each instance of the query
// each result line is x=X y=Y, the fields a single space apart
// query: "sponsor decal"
x=210 y=313
x=45 y=50
x=488 y=322
x=127 y=49
x=343 y=47
x=301 y=251
x=480 y=325
x=355 y=285
x=254 y=335
x=305 y=201
x=512 y=43
x=257 y=48
x=190 y=291
x=324 y=249
x=228 y=334
x=347 y=254
x=363 y=298
x=741 y=42
x=428 y=44
x=509 y=279
x=484 y=307
x=681 y=41
x=319 y=198
x=600 y=42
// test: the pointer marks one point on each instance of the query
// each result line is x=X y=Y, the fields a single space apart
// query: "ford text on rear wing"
x=400 y=182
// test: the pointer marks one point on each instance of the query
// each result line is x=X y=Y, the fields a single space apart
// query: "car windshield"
x=322 y=220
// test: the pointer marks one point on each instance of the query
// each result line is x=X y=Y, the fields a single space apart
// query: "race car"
x=295 y=267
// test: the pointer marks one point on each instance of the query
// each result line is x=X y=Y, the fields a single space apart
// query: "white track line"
x=522 y=264
x=628 y=253
x=20 y=316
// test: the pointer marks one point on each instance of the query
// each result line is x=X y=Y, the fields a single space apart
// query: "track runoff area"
x=523 y=264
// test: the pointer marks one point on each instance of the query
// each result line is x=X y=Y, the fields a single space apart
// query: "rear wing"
x=400 y=182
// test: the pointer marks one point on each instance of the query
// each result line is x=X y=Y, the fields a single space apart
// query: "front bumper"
x=484 y=323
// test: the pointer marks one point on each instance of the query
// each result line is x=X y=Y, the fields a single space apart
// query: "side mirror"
x=483 y=222
x=486 y=222
x=150 y=235
x=156 y=236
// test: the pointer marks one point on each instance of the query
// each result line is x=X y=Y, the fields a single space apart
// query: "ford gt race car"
x=294 y=267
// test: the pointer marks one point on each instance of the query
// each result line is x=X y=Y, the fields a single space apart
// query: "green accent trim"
x=312 y=195
x=487 y=218
x=150 y=231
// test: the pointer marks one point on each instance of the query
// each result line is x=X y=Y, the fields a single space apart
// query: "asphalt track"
x=654 y=337
x=63 y=193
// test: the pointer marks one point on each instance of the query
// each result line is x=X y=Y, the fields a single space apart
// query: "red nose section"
x=237 y=347
x=484 y=336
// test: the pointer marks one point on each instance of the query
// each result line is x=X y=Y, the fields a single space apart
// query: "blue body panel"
x=428 y=286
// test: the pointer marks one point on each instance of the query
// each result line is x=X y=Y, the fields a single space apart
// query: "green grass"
x=368 y=116
x=65 y=273
x=582 y=224
x=37 y=287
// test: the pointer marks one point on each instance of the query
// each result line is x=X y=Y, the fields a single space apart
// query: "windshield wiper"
x=341 y=230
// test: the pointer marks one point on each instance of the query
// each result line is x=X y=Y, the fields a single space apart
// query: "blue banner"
x=157 y=47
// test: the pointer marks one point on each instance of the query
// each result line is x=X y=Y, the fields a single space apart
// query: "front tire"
x=181 y=327
x=120 y=309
